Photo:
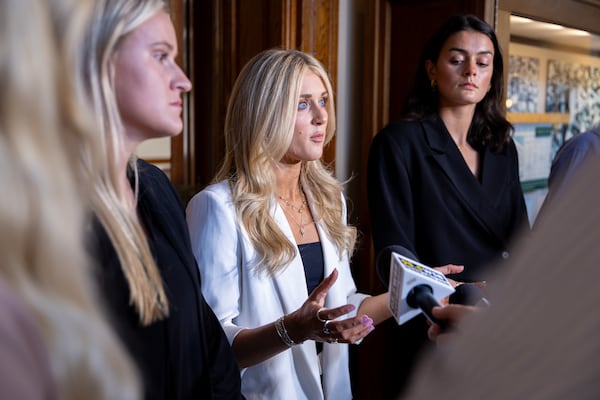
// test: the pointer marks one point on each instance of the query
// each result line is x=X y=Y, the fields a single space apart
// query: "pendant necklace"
x=299 y=210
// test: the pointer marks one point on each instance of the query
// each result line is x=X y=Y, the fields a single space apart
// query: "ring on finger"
x=326 y=327
x=318 y=316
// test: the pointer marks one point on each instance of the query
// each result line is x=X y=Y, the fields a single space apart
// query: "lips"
x=317 y=137
x=469 y=85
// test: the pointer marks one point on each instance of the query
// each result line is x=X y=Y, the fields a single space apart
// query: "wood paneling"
x=366 y=363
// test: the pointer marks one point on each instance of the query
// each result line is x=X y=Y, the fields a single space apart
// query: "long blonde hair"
x=44 y=133
x=113 y=20
x=259 y=128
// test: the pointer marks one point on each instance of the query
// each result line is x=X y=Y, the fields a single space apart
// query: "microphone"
x=469 y=294
x=414 y=288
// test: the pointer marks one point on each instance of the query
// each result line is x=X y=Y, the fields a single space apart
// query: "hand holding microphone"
x=413 y=287
x=451 y=314
x=416 y=288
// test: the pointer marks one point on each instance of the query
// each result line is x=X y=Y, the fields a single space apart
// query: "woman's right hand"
x=313 y=322
x=449 y=269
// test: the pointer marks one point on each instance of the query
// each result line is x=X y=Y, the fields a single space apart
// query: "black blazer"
x=423 y=196
x=186 y=355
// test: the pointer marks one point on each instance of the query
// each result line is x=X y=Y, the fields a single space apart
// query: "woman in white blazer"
x=271 y=239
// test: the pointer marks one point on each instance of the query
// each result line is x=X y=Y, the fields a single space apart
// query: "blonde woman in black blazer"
x=148 y=277
x=444 y=181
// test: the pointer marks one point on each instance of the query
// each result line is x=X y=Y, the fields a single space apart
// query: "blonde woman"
x=271 y=239
x=146 y=266
x=54 y=342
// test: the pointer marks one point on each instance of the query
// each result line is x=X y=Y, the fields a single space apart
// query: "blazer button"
x=505 y=254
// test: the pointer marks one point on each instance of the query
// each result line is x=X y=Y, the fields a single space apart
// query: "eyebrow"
x=458 y=49
x=310 y=95
x=163 y=43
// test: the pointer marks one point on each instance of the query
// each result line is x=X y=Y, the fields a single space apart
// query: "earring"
x=433 y=83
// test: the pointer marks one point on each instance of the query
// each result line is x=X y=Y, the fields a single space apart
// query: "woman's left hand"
x=349 y=330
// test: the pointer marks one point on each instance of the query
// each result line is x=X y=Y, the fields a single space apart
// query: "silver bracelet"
x=283 y=333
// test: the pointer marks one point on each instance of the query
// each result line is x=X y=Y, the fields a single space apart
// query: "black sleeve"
x=390 y=194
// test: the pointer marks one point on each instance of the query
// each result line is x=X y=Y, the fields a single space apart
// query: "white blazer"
x=241 y=297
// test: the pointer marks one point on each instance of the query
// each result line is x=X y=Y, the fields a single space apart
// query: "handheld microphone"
x=469 y=294
x=414 y=288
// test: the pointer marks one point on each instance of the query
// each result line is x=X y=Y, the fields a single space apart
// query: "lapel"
x=290 y=287
x=290 y=283
x=480 y=198
x=289 y=280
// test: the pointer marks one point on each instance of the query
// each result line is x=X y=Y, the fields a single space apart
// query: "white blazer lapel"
x=290 y=286
x=290 y=283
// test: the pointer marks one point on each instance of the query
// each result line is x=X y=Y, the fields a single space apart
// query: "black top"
x=186 y=355
x=423 y=196
x=314 y=266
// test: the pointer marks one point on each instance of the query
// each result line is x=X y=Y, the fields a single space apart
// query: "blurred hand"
x=449 y=269
x=452 y=313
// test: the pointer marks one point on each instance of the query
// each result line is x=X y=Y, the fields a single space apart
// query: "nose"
x=320 y=115
x=470 y=67
x=181 y=81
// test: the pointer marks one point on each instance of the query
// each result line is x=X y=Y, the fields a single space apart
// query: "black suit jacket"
x=423 y=196
x=187 y=355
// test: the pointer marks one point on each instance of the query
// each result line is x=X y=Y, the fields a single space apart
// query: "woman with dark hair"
x=488 y=124
x=444 y=181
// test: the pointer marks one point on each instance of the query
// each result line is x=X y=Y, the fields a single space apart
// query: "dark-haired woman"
x=444 y=181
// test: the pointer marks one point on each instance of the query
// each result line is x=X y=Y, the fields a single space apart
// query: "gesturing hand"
x=313 y=322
